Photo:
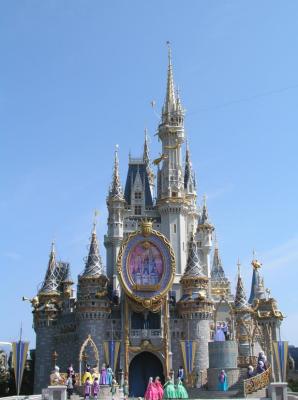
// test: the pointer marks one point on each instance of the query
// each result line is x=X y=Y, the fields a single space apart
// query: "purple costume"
x=87 y=389
x=95 y=388
x=103 y=376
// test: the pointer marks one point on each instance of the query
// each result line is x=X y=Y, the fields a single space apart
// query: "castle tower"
x=204 y=239
x=196 y=309
x=115 y=203
x=46 y=313
x=171 y=196
x=93 y=305
x=243 y=318
x=267 y=314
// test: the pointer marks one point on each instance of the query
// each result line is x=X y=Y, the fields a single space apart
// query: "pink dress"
x=103 y=377
x=159 y=388
x=151 y=392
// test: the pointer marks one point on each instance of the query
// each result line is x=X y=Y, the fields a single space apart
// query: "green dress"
x=169 y=391
x=181 y=392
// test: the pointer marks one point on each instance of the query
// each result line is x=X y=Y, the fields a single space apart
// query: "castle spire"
x=93 y=265
x=189 y=181
x=50 y=284
x=172 y=111
x=193 y=266
x=116 y=191
x=240 y=296
x=146 y=158
x=217 y=271
x=170 y=99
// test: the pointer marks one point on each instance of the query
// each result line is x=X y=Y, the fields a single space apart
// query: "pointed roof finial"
x=96 y=213
x=146 y=158
x=50 y=284
x=93 y=265
x=170 y=100
x=239 y=267
x=116 y=189
x=240 y=296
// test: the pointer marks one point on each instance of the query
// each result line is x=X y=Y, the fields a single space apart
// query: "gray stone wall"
x=43 y=356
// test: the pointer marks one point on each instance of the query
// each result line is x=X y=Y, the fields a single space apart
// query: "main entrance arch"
x=143 y=366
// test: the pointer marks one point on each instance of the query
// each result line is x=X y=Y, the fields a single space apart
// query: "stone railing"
x=245 y=361
x=146 y=333
x=257 y=382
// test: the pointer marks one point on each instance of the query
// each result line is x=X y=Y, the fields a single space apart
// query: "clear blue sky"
x=77 y=77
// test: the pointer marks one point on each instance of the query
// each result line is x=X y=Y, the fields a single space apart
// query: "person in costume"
x=151 y=391
x=55 y=377
x=250 y=371
x=222 y=381
x=69 y=386
x=181 y=392
x=109 y=375
x=103 y=375
x=219 y=335
x=87 y=375
x=180 y=373
x=125 y=389
x=113 y=388
x=70 y=370
x=169 y=391
x=87 y=389
x=263 y=358
x=159 y=387
x=261 y=367
x=95 y=388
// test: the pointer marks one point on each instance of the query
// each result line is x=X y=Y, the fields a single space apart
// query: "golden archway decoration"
x=90 y=341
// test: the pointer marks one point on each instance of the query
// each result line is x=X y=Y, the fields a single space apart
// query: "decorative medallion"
x=146 y=265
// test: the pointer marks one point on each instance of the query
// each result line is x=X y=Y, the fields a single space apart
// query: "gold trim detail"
x=146 y=302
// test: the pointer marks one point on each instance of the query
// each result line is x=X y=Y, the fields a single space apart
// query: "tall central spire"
x=172 y=104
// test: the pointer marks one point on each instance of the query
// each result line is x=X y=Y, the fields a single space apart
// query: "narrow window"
x=175 y=228
x=138 y=210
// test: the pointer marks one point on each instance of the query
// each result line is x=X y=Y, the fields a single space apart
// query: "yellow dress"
x=87 y=375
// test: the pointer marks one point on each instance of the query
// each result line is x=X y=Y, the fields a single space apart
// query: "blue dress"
x=223 y=383
x=109 y=376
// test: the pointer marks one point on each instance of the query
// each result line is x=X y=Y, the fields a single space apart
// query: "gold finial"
x=205 y=200
x=255 y=263
x=96 y=213
x=146 y=227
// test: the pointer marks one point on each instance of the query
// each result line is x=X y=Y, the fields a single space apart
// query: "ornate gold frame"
x=146 y=302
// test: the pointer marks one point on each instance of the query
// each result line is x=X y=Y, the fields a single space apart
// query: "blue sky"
x=77 y=77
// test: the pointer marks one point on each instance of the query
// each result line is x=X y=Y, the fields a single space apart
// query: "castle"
x=163 y=294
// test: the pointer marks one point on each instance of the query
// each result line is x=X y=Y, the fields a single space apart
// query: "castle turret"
x=196 y=309
x=46 y=312
x=266 y=312
x=204 y=238
x=115 y=203
x=220 y=284
x=171 y=201
x=93 y=305
x=243 y=318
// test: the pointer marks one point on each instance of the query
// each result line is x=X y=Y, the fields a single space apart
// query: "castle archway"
x=141 y=368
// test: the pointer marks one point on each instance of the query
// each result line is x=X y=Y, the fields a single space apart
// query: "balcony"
x=146 y=334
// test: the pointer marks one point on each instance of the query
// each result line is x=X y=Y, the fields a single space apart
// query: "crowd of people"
x=155 y=390
x=261 y=366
